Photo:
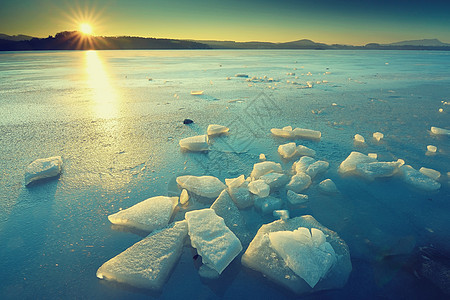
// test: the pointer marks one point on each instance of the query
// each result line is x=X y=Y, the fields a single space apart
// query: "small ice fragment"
x=215 y=129
x=259 y=188
x=372 y=155
x=241 y=75
x=148 y=263
x=153 y=213
x=282 y=214
x=305 y=151
x=359 y=138
x=419 y=180
x=43 y=168
x=196 y=93
x=262 y=157
x=268 y=204
x=306 y=133
x=440 y=131
x=441 y=109
x=265 y=167
x=295 y=198
x=184 y=197
x=287 y=150
x=378 y=136
x=195 y=143
x=207 y=272
x=431 y=148
x=328 y=186
x=299 y=182
x=349 y=164
x=203 y=186
x=430 y=173
x=214 y=241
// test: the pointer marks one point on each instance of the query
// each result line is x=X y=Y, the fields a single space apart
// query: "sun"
x=86 y=28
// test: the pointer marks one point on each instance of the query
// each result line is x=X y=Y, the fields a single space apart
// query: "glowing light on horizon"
x=86 y=28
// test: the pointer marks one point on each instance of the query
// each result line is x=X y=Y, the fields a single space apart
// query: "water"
x=118 y=134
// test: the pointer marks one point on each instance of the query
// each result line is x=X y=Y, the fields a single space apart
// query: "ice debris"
x=262 y=157
x=328 y=186
x=184 y=197
x=195 y=143
x=214 y=129
x=148 y=263
x=153 y=213
x=419 y=180
x=299 y=182
x=275 y=180
x=378 y=136
x=262 y=257
x=203 y=186
x=214 y=241
x=196 y=93
x=259 y=187
x=43 y=168
x=295 y=199
x=265 y=167
x=288 y=132
x=440 y=131
x=282 y=214
x=431 y=149
x=433 y=174
x=359 y=138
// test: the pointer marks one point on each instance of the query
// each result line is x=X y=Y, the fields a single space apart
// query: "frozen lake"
x=116 y=118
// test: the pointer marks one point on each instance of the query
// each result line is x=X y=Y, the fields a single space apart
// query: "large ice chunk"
x=303 y=150
x=286 y=132
x=259 y=187
x=306 y=133
x=317 y=167
x=261 y=257
x=214 y=241
x=295 y=198
x=302 y=164
x=299 y=182
x=288 y=150
x=275 y=180
x=203 y=186
x=153 y=213
x=215 y=129
x=378 y=169
x=195 y=143
x=440 y=131
x=430 y=173
x=148 y=263
x=265 y=167
x=306 y=253
x=43 y=168
x=419 y=180
x=349 y=164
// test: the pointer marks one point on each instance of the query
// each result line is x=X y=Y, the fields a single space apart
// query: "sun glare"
x=86 y=28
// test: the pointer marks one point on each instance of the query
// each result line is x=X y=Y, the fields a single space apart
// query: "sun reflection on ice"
x=104 y=95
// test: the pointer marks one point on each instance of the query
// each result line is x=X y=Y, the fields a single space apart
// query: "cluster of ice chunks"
x=300 y=133
x=201 y=142
x=418 y=179
x=300 y=262
x=148 y=215
x=291 y=150
x=43 y=168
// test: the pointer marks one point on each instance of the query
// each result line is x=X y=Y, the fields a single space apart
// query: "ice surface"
x=214 y=241
x=153 y=213
x=204 y=186
x=440 y=131
x=378 y=136
x=215 y=129
x=349 y=164
x=148 y=263
x=430 y=173
x=328 y=186
x=282 y=214
x=184 y=197
x=261 y=257
x=378 y=169
x=275 y=180
x=195 y=143
x=259 y=187
x=302 y=164
x=419 y=180
x=431 y=148
x=299 y=182
x=227 y=209
x=317 y=167
x=307 y=254
x=268 y=204
x=295 y=198
x=303 y=150
x=359 y=138
x=43 y=168
x=288 y=150
x=265 y=167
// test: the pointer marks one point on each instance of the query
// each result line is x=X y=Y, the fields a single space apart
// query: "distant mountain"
x=424 y=42
x=16 y=38
x=300 y=44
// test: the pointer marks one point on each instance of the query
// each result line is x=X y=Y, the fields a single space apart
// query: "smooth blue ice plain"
x=116 y=117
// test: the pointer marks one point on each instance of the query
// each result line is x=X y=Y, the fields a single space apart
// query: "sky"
x=354 y=22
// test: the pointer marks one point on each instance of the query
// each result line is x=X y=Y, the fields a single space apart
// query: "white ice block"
x=262 y=157
x=153 y=213
x=195 y=143
x=299 y=182
x=419 y=180
x=328 y=186
x=431 y=149
x=214 y=241
x=430 y=173
x=303 y=150
x=317 y=167
x=265 y=167
x=241 y=195
x=282 y=214
x=378 y=136
x=306 y=133
x=259 y=187
x=440 y=131
x=214 y=129
x=261 y=257
x=302 y=164
x=349 y=164
x=203 y=186
x=288 y=150
x=235 y=182
x=378 y=169
x=295 y=198
x=43 y=168
x=275 y=180
x=285 y=133
x=184 y=197
x=359 y=138
x=149 y=262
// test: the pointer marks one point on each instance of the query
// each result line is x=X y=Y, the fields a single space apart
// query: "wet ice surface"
x=118 y=135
